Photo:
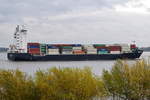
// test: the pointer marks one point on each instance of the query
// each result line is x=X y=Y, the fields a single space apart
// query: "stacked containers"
x=67 y=49
x=114 y=49
x=125 y=48
x=77 y=49
x=90 y=49
x=43 y=48
x=33 y=48
x=52 y=50
x=101 y=48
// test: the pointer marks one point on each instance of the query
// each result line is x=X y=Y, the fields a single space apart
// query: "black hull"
x=29 y=57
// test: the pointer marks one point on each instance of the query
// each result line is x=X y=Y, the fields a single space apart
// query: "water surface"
x=31 y=67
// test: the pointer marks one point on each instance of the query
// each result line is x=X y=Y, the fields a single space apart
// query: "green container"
x=43 y=48
x=99 y=45
x=67 y=47
x=102 y=52
x=42 y=45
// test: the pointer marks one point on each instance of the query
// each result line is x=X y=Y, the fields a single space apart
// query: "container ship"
x=21 y=50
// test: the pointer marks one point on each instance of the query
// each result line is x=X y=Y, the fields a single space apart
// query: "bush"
x=123 y=81
x=129 y=82
x=15 y=85
x=68 y=84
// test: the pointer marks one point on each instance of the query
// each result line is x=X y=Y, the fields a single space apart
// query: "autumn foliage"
x=123 y=82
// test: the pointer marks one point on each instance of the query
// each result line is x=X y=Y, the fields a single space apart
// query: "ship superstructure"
x=19 y=40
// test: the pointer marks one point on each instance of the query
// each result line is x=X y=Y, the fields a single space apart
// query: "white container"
x=53 y=50
x=90 y=52
x=115 y=52
x=125 y=48
x=77 y=48
x=67 y=52
x=88 y=46
x=53 y=53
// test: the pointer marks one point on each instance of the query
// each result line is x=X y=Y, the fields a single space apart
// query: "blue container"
x=76 y=45
x=102 y=50
x=52 y=47
x=33 y=46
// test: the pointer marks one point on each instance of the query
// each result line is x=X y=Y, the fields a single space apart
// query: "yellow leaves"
x=68 y=84
x=123 y=80
x=128 y=81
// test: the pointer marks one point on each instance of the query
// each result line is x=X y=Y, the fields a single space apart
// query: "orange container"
x=78 y=52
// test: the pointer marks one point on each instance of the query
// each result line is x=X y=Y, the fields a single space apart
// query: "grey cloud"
x=72 y=21
x=12 y=9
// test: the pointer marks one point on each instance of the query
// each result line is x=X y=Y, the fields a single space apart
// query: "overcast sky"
x=77 y=21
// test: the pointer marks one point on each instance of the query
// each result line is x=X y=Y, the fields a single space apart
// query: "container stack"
x=67 y=49
x=114 y=49
x=125 y=48
x=52 y=50
x=90 y=49
x=43 y=48
x=101 y=48
x=33 y=48
x=77 y=49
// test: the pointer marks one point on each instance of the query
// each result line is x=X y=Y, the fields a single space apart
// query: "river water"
x=31 y=67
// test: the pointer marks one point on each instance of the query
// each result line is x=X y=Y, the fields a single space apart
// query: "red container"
x=34 y=51
x=34 y=44
x=62 y=44
x=102 y=47
x=114 y=48
x=132 y=46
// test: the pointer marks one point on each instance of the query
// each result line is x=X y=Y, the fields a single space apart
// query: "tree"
x=68 y=84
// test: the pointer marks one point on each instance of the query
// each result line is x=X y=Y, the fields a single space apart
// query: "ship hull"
x=29 y=57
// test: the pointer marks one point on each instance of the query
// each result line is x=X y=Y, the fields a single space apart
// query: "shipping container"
x=78 y=52
x=53 y=53
x=91 y=52
x=88 y=46
x=99 y=45
x=76 y=45
x=53 y=50
x=91 y=49
x=77 y=48
x=115 y=52
x=125 y=49
x=60 y=45
x=35 y=44
x=34 y=51
x=66 y=47
x=114 y=48
x=67 y=52
x=52 y=47
x=102 y=47
x=102 y=52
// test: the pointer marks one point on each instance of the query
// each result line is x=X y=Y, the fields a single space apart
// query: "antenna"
x=134 y=42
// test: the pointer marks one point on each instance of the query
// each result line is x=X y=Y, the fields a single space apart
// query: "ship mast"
x=20 y=40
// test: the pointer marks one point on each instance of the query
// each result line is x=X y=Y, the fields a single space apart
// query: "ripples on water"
x=31 y=67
